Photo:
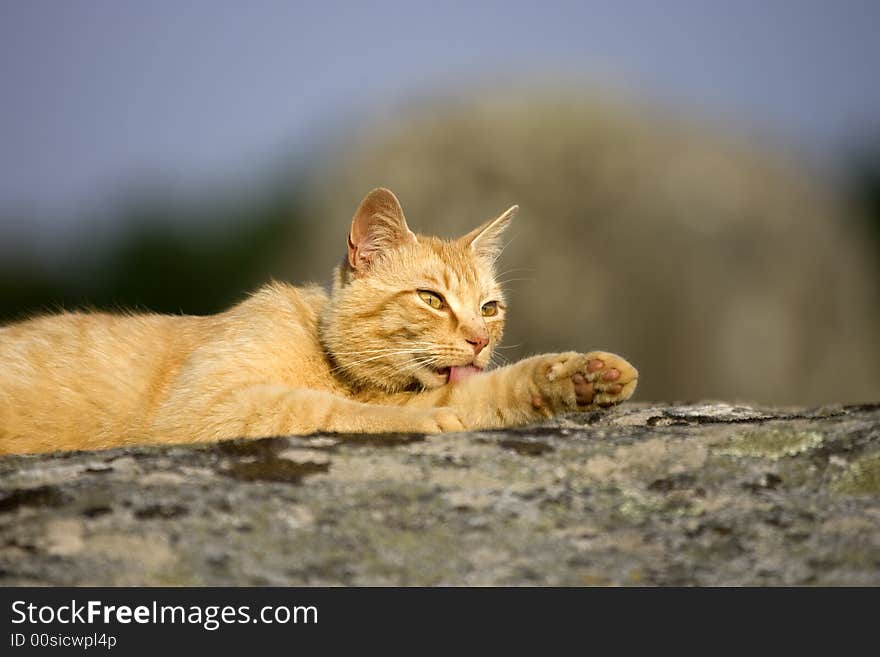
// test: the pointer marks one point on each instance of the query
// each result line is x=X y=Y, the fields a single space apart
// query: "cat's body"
x=399 y=344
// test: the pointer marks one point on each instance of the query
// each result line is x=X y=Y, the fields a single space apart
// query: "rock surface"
x=708 y=494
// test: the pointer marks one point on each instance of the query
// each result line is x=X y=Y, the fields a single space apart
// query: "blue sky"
x=98 y=94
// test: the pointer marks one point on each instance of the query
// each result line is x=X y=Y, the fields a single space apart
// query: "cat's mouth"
x=456 y=373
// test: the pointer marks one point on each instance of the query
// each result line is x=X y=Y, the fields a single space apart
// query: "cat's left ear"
x=486 y=240
x=378 y=224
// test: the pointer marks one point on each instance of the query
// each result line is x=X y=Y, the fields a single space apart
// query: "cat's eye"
x=489 y=309
x=432 y=299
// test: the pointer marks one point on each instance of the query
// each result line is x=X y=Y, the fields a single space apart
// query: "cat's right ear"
x=378 y=224
x=485 y=240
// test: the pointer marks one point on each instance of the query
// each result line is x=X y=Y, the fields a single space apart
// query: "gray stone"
x=705 y=494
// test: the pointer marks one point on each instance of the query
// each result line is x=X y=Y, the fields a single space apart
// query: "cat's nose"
x=478 y=342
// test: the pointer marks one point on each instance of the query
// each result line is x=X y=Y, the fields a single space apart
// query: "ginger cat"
x=400 y=344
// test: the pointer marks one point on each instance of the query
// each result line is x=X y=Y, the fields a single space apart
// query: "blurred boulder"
x=721 y=267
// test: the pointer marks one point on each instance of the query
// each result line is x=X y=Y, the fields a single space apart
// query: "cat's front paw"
x=573 y=381
x=439 y=420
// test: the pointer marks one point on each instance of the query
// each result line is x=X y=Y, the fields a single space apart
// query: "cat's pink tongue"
x=462 y=373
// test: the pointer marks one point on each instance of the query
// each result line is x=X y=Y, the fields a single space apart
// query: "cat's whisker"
x=387 y=350
x=513 y=271
x=501 y=250
x=514 y=280
x=343 y=366
x=498 y=356
x=403 y=369
x=416 y=346
x=409 y=369
x=348 y=366
x=380 y=352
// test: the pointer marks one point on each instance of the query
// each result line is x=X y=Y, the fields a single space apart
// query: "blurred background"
x=699 y=183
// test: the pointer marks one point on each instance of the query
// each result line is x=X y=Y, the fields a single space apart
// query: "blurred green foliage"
x=864 y=183
x=171 y=259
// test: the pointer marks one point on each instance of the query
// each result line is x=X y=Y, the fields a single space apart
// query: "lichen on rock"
x=771 y=443
x=862 y=477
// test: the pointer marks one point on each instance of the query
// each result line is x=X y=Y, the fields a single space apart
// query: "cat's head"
x=410 y=311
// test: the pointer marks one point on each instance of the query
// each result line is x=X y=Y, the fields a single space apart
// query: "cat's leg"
x=539 y=387
x=275 y=410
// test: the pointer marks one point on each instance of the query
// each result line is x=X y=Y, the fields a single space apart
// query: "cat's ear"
x=378 y=224
x=486 y=239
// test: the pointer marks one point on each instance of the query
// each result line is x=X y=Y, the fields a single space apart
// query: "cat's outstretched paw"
x=612 y=378
x=573 y=381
